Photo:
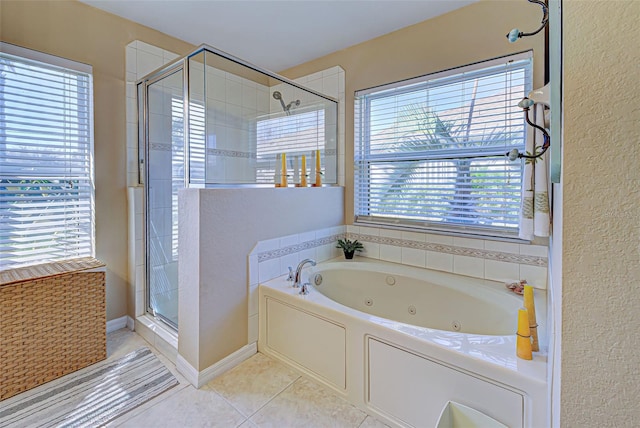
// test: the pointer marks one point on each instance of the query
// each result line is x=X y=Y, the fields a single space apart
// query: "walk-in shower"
x=210 y=119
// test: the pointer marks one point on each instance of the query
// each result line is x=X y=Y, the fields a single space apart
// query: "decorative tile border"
x=161 y=147
x=450 y=249
x=291 y=249
x=231 y=153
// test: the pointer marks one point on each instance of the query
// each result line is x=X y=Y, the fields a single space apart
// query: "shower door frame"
x=180 y=66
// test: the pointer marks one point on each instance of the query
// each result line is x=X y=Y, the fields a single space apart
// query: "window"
x=430 y=151
x=301 y=133
x=46 y=149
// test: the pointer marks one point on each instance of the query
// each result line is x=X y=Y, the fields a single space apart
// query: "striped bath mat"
x=92 y=396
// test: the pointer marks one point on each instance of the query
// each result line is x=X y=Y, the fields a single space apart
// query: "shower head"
x=278 y=96
x=295 y=103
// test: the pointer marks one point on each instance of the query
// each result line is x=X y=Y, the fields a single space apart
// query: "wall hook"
x=515 y=34
x=514 y=154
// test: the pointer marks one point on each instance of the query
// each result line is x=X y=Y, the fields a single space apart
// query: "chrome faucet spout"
x=296 y=278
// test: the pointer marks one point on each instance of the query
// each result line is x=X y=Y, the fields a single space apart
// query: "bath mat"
x=92 y=396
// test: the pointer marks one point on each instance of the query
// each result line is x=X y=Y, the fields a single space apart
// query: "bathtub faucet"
x=296 y=279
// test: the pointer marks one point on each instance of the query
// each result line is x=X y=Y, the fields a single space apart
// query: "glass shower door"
x=165 y=175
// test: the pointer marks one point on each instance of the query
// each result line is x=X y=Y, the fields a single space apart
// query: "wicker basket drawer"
x=50 y=325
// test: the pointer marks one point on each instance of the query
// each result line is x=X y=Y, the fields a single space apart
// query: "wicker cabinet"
x=52 y=322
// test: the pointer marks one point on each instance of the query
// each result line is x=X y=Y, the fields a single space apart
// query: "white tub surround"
x=474 y=257
x=217 y=229
x=401 y=373
x=273 y=257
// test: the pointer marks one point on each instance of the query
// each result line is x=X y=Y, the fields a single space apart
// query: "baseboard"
x=131 y=323
x=118 y=323
x=201 y=378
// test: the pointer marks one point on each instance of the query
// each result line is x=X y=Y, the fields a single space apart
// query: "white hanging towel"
x=534 y=212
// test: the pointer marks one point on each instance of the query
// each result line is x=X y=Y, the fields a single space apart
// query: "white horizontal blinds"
x=301 y=133
x=46 y=186
x=431 y=151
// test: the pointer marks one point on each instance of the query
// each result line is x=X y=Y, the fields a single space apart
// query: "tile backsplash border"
x=452 y=249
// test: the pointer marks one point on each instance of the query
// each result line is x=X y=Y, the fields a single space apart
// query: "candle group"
x=281 y=178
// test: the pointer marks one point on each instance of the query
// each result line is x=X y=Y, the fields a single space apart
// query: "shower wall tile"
x=140 y=59
x=146 y=47
x=147 y=62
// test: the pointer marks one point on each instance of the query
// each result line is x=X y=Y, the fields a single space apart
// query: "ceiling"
x=277 y=34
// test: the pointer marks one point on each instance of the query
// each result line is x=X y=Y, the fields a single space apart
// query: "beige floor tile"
x=250 y=385
x=189 y=408
x=307 y=404
x=248 y=424
x=123 y=341
x=371 y=422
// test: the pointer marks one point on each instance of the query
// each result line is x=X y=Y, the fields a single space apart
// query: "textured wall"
x=601 y=237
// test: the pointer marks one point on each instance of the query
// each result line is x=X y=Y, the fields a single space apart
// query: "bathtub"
x=400 y=343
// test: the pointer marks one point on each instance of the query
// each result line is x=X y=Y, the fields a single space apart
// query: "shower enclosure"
x=210 y=119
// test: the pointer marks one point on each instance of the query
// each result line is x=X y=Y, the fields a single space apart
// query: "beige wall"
x=218 y=229
x=601 y=233
x=470 y=34
x=81 y=33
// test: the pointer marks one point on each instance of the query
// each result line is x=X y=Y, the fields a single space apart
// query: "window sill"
x=452 y=233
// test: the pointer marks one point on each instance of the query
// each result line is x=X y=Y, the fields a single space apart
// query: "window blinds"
x=430 y=152
x=46 y=180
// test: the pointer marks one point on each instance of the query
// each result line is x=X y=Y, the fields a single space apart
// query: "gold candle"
x=303 y=177
x=283 y=171
x=318 y=172
x=530 y=305
x=523 y=338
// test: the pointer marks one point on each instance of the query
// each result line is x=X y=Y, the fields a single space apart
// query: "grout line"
x=275 y=396
x=362 y=423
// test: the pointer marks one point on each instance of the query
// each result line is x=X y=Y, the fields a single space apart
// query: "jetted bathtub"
x=401 y=343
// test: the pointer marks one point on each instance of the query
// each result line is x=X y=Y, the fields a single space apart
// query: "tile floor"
x=260 y=392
